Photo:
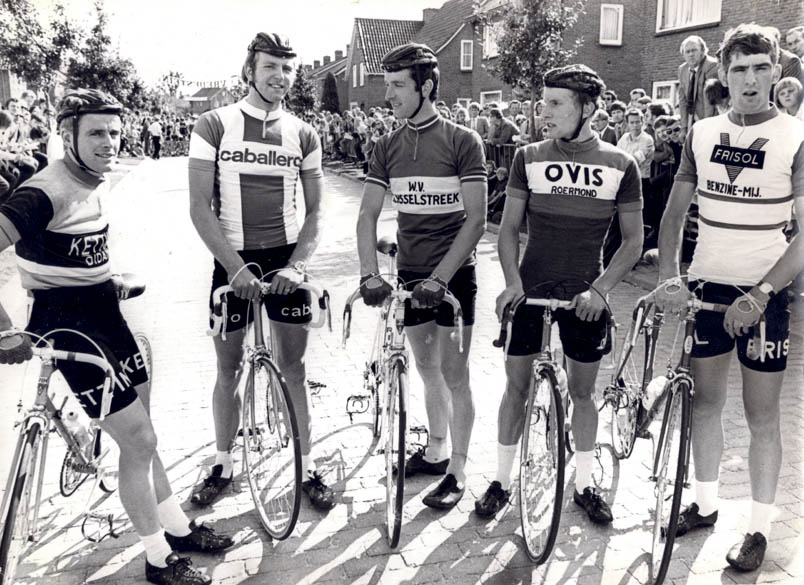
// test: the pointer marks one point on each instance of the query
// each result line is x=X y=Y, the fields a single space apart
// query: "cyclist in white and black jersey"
x=245 y=162
x=747 y=169
x=57 y=224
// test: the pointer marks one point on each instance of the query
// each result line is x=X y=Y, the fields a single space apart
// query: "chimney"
x=316 y=64
x=429 y=13
x=326 y=59
x=338 y=55
x=347 y=49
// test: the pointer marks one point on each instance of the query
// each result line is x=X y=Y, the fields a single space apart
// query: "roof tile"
x=443 y=24
x=378 y=36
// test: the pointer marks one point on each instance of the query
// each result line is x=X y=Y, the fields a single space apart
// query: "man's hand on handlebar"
x=745 y=312
x=508 y=296
x=246 y=286
x=428 y=293
x=589 y=305
x=672 y=296
x=374 y=289
x=286 y=281
x=15 y=348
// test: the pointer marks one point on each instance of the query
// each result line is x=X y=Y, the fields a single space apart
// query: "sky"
x=206 y=40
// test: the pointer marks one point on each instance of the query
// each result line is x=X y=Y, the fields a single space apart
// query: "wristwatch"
x=766 y=288
x=299 y=266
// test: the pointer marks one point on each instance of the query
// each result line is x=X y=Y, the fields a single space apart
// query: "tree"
x=34 y=52
x=99 y=66
x=530 y=34
x=329 y=96
x=301 y=99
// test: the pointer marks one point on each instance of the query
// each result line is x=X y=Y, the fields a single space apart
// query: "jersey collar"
x=90 y=179
x=255 y=112
x=753 y=119
x=422 y=125
x=590 y=144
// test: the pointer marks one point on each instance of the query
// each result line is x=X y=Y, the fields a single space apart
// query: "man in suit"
x=503 y=130
x=698 y=66
x=478 y=123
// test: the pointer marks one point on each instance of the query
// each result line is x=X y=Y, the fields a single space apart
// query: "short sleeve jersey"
x=746 y=171
x=572 y=192
x=257 y=158
x=424 y=166
x=63 y=231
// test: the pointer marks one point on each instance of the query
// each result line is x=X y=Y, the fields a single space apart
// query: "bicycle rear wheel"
x=541 y=471
x=395 y=430
x=627 y=385
x=271 y=448
x=72 y=475
x=669 y=472
x=17 y=528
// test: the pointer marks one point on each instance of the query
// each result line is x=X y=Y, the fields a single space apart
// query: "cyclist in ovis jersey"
x=245 y=162
x=57 y=224
x=571 y=187
x=747 y=168
x=434 y=170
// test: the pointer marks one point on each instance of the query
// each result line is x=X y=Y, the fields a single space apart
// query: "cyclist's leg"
x=290 y=344
x=761 y=392
x=225 y=401
x=511 y=414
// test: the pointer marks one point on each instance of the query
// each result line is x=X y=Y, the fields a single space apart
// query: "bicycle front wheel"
x=627 y=385
x=395 y=430
x=271 y=448
x=17 y=526
x=669 y=472
x=541 y=470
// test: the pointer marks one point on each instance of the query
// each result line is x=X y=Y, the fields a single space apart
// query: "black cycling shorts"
x=463 y=286
x=711 y=338
x=583 y=341
x=296 y=307
x=95 y=312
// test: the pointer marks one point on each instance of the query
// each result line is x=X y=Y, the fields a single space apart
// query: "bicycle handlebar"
x=510 y=309
x=401 y=296
x=219 y=306
x=694 y=303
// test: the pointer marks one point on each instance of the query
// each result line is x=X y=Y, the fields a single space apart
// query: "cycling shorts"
x=463 y=286
x=94 y=311
x=712 y=340
x=583 y=341
x=293 y=308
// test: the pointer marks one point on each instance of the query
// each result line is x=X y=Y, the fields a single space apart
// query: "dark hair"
x=634 y=112
x=39 y=133
x=495 y=112
x=611 y=93
x=658 y=109
x=715 y=92
x=5 y=119
x=748 y=39
x=618 y=105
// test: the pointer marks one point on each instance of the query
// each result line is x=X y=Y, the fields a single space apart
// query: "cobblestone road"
x=152 y=235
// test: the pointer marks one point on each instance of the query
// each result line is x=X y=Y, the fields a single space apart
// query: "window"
x=490 y=49
x=674 y=14
x=487 y=97
x=464 y=102
x=466 y=55
x=362 y=74
x=666 y=91
x=354 y=75
x=611 y=24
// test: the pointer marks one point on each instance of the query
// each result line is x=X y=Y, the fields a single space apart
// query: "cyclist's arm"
x=310 y=233
x=474 y=194
x=790 y=264
x=370 y=208
x=675 y=214
x=508 y=239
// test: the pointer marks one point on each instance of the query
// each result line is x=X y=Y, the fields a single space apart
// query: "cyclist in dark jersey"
x=57 y=224
x=434 y=170
x=571 y=187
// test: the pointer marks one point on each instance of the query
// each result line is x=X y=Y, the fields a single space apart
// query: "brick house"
x=337 y=66
x=209 y=98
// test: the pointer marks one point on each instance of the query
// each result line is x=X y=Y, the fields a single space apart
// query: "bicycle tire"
x=147 y=354
x=271 y=448
x=16 y=529
x=70 y=478
x=541 y=471
x=628 y=383
x=669 y=470
x=569 y=438
x=395 y=443
x=109 y=479
x=376 y=404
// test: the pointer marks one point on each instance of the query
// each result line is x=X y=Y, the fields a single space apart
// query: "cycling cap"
x=576 y=77
x=273 y=44
x=408 y=55
x=77 y=102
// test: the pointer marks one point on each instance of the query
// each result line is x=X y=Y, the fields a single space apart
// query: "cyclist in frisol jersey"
x=570 y=187
x=56 y=222
x=746 y=168
x=435 y=173
x=245 y=162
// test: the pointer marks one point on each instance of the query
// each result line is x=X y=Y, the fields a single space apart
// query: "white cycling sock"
x=505 y=463
x=157 y=549
x=224 y=459
x=706 y=496
x=172 y=517
x=436 y=449
x=583 y=470
x=761 y=515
